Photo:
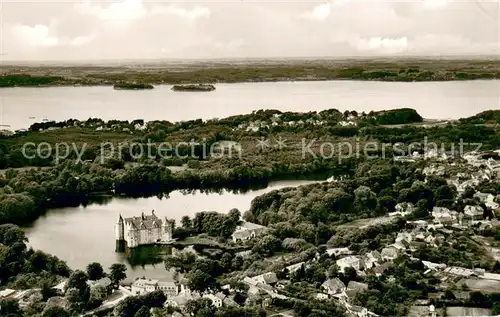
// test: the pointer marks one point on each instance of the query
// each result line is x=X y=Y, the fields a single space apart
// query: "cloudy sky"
x=107 y=29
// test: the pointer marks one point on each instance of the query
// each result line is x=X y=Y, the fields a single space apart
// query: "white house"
x=333 y=286
x=216 y=300
x=143 y=286
x=269 y=278
x=338 y=251
x=473 y=212
x=389 y=253
x=372 y=259
x=350 y=261
x=443 y=216
x=404 y=237
x=247 y=231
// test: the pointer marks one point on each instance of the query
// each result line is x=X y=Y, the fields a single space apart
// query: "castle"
x=136 y=231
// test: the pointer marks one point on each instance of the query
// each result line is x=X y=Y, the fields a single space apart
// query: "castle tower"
x=120 y=235
x=167 y=229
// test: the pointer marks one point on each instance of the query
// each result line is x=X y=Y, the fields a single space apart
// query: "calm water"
x=86 y=234
x=437 y=100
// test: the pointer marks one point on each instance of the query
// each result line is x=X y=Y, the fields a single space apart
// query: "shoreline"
x=66 y=85
x=413 y=70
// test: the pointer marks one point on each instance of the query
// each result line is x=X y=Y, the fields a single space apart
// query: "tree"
x=476 y=297
x=98 y=293
x=226 y=260
x=77 y=298
x=78 y=280
x=237 y=262
x=47 y=292
x=117 y=273
x=365 y=199
x=10 y=308
x=267 y=245
x=448 y=294
x=200 y=281
x=196 y=305
x=186 y=222
x=299 y=274
x=144 y=311
x=350 y=274
x=421 y=209
x=55 y=311
x=496 y=267
x=333 y=271
x=95 y=271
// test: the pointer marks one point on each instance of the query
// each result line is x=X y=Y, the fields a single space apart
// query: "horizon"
x=144 y=30
x=461 y=57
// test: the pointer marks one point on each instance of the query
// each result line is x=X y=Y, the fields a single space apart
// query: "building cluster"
x=277 y=121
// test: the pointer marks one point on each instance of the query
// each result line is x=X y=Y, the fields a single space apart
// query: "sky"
x=156 y=29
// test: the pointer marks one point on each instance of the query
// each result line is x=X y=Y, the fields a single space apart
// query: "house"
x=372 y=259
x=269 y=278
x=228 y=301
x=338 y=251
x=61 y=287
x=355 y=287
x=168 y=288
x=250 y=281
x=294 y=267
x=473 y=212
x=6 y=293
x=402 y=209
x=419 y=224
x=263 y=280
x=433 y=266
x=379 y=270
x=350 y=261
x=459 y=271
x=321 y=296
x=443 y=216
x=247 y=231
x=404 y=237
x=143 y=286
x=333 y=286
x=389 y=253
x=216 y=300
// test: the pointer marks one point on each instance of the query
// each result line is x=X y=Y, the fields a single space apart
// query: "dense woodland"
x=25 y=194
x=302 y=221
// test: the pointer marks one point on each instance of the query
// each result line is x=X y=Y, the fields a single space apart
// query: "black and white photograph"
x=249 y=158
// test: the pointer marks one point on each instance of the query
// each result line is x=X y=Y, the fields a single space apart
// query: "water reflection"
x=147 y=255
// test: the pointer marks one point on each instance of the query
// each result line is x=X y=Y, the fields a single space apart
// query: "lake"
x=86 y=234
x=436 y=100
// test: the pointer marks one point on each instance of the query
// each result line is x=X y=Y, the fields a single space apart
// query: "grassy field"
x=410 y=69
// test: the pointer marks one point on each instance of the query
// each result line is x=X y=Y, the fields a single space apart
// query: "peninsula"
x=132 y=86
x=194 y=87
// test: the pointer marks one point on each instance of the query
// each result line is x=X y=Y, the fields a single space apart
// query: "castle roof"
x=144 y=222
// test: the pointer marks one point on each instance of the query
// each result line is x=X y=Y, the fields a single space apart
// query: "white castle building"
x=136 y=231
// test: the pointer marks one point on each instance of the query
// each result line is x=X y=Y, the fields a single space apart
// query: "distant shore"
x=390 y=70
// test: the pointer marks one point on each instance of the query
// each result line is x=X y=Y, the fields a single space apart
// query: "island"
x=132 y=86
x=194 y=87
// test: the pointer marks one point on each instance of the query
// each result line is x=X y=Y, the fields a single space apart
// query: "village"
x=442 y=226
